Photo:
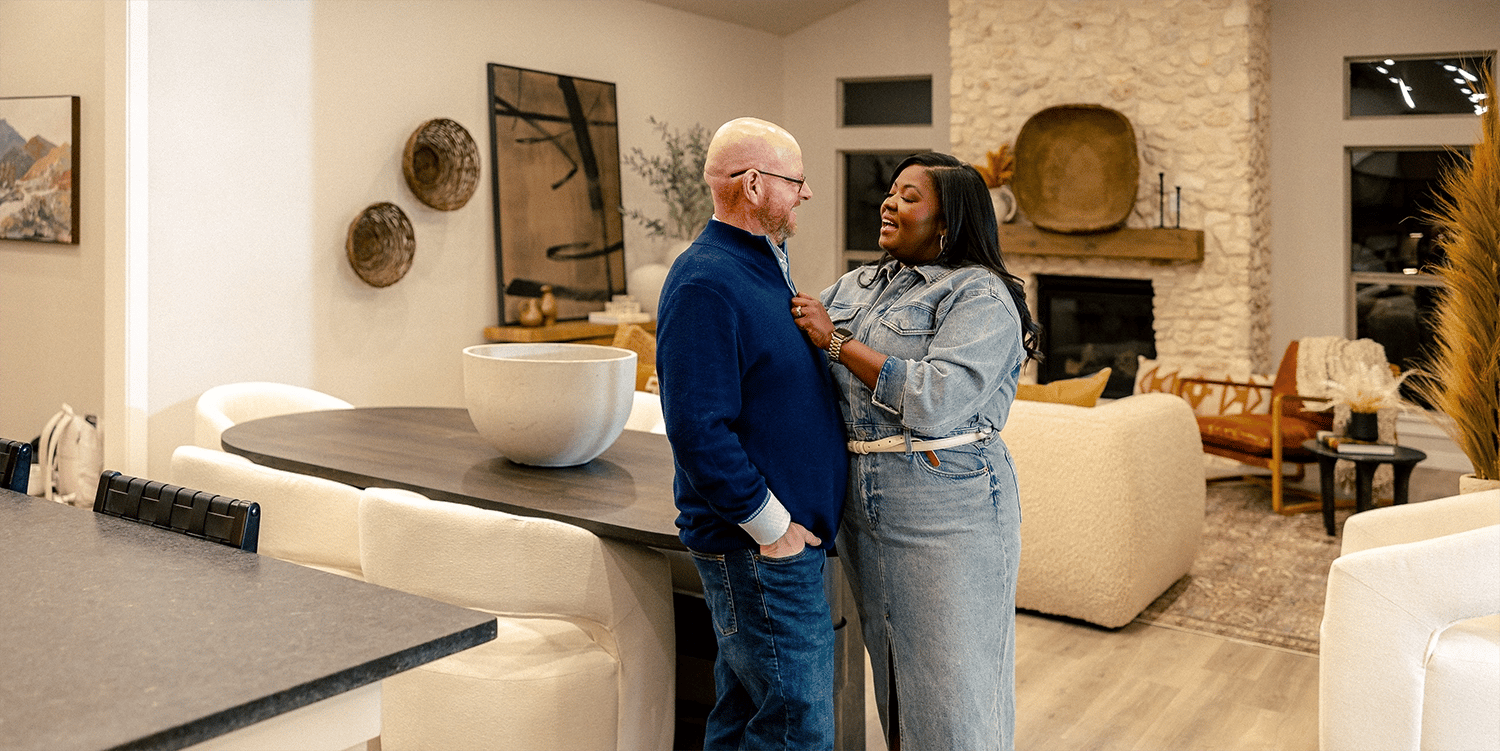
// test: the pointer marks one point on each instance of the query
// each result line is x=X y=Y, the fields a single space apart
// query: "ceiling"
x=779 y=17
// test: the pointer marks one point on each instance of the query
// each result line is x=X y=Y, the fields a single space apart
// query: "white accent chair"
x=223 y=406
x=585 y=656
x=1410 y=644
x=1112 y=501
x=645 y=414
x=304 y=519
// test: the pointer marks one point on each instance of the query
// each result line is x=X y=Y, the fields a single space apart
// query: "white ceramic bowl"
x=549 y=405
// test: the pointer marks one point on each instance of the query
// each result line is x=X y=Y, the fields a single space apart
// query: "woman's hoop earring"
x=943 y=243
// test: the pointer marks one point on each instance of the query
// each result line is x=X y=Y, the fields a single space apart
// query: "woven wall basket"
x=441 y=164
x=1076 y=169
x=381 y=244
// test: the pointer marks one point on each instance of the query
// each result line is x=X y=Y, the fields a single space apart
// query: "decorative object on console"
x=381 y=244
x=531 y=314
x=549 y=405
x=1077 y=168
x=39 y=156
x=555 y=170
x=441 y=164
x=1462 y=378
x=548 y=305
x=621 y=310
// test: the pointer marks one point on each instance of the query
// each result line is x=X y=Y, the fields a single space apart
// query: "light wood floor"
x=1084 y=688
x=1081 y=687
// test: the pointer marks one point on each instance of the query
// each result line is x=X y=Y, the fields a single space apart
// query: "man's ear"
x=754 y=188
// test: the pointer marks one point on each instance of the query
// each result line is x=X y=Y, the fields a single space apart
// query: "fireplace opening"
x=1090 y=323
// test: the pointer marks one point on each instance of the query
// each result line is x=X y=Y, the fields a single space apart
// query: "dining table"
x=122 y=635
x=625 y=494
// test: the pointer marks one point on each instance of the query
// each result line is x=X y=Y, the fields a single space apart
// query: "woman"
x=926 y=347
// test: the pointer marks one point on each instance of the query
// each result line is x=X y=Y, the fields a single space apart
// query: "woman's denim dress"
x=932 y=552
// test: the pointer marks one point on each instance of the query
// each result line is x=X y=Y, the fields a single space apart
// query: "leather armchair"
x=1269 y=441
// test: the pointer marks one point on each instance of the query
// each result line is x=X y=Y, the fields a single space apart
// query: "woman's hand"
x=812 y=318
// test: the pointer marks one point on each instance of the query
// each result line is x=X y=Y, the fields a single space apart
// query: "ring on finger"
x=799 y=311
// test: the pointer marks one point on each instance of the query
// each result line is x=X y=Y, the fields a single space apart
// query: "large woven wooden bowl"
x=1076 y=169
x=381 y=244
x=441 y=164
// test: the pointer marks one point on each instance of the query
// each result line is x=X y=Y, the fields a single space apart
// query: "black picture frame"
x=39 y=157
x=555 y=174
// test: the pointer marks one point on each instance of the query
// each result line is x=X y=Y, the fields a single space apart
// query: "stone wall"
x=1193 y=78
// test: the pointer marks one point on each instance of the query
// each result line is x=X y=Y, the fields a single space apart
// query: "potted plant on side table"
x=1461 y=380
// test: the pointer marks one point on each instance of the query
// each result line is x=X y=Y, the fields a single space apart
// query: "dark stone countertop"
x=120 y=635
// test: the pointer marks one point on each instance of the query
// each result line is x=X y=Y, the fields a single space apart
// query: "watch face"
x=841 y=331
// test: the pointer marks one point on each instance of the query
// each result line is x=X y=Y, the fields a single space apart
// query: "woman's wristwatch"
x=836 y=343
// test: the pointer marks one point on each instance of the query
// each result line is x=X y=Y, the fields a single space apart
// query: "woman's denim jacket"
x=954 y=343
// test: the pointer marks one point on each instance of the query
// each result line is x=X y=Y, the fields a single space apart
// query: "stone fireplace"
x=1193 y=80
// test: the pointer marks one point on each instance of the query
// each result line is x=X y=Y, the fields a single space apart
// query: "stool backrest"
x=216 y=518
x=15 y=465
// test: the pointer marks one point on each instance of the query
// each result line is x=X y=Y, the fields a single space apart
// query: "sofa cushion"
x=1083 y=392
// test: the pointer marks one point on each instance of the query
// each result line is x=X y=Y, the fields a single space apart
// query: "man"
x=759 y=447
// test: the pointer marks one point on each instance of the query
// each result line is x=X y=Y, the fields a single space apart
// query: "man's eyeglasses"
x=791 y=180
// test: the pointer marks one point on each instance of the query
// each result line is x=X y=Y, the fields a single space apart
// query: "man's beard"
x=778 y=227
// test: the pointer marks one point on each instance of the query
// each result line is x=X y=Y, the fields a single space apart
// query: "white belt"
x=898 y=443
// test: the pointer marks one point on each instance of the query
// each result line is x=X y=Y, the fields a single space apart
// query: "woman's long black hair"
x=973 y=234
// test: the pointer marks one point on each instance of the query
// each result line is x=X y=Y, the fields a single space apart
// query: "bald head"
x=748 y=202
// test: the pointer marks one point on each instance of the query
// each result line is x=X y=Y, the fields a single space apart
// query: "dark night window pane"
x=906 y=101
x=1400 y=317
x=867 y=179
x=1390 y=193
x=1417 y=86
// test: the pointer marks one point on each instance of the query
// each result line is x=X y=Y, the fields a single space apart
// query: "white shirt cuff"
x=769 y=523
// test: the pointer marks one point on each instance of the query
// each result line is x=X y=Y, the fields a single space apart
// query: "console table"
x=581 y=332
x=120 y=635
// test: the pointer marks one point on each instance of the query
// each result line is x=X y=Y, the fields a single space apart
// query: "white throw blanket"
x=1321 y=359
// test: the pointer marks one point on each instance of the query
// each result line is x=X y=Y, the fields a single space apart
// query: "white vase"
x=549 y=405
x=645 y=285
x=1005 y=203
x=1470 y=484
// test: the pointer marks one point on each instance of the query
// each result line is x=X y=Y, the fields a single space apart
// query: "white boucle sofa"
x=1112 y=501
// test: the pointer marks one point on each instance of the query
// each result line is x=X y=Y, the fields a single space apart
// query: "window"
x=1393 y=246
x=1441 y=85
x=867 y=180
x=892 y=101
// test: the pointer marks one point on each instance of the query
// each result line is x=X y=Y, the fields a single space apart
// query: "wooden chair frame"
x=1278 y=451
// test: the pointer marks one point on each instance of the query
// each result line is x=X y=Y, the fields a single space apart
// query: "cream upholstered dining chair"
x=645 y=414
x=585 y=655
x=223 y=406
x=304 y=519
x=1409 y=655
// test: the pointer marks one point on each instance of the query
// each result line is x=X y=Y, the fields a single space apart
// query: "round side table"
x=1402 y=461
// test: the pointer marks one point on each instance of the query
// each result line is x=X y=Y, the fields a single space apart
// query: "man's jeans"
x=774 y=673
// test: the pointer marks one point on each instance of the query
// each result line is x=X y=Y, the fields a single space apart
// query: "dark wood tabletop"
x=624 y=494
x=121 y=635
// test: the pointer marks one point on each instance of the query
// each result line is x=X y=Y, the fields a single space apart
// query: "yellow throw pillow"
x=1083 y=392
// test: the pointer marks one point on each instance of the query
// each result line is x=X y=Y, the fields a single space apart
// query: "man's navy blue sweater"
x=748 y=400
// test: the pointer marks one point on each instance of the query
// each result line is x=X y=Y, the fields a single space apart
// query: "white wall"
x=872 y=39
x=51 y=296
x=273 y=124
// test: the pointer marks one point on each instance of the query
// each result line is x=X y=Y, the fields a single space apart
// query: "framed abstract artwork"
x=555 y=170
x=39 y=169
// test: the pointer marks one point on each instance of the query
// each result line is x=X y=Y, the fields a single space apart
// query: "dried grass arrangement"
x=1462 y=374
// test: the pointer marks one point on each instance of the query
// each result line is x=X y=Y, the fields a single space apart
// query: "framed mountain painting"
x=39 y=169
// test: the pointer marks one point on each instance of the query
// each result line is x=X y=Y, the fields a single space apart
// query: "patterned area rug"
x=1259 y=576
